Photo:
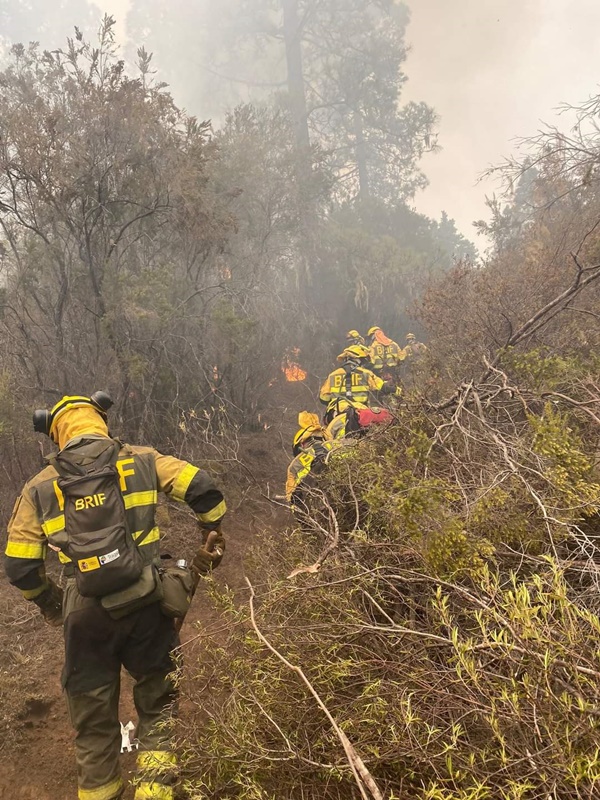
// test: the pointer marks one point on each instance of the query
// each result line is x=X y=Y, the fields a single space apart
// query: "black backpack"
x=105 y=556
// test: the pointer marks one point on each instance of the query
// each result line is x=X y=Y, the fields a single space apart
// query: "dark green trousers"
x=96 y=647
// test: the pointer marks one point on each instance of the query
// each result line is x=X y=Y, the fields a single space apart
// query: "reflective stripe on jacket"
x=353 y=383
x=38 y=517
x=386 y=355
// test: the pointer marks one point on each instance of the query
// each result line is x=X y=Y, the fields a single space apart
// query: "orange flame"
x=294 y=372
x=290 y=367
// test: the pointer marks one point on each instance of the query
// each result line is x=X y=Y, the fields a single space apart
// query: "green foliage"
x=540 y=369
x=566 y=467
x=441 y=623
x=441 y=690
x=376 y=260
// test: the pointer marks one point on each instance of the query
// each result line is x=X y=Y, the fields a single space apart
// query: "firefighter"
x=312 y=447
x=355 y=419
x=96 y=643
x=353 y=381
x=343 y=416
x=413 y=364
x=414 y=350
x=354 y=337
x=386 y=355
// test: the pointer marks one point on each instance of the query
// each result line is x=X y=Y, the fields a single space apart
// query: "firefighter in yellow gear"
x=385 y=354
x=354 y=337
x=353 y=381
x=312 y=447
x=343 y=418
x=414 y=362
x=414 y=349
x=355 y=419
x=96 y=644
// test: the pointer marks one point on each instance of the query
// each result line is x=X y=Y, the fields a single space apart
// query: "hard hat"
x=353 y=351
x=373 y=329
x=44 y=420
x=310 y=428
x=353 y=335
x=410 y=337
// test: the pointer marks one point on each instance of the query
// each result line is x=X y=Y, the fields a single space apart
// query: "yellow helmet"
x=310 y=428
x=44 y=421
x=354 y=337
x=353 y=351
x=373 y=329
x=410 y=337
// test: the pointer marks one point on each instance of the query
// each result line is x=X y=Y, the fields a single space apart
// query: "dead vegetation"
x=429 y=627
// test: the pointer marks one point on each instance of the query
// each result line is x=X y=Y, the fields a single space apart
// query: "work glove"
x=210 y=555
x=398 y=391
x=50 y=603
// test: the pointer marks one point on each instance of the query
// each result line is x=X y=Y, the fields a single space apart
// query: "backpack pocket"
x=147 y=589
x=105 y=556
x=105 y=561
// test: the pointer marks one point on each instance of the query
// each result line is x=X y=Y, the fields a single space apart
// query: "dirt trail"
x=38 y=753
x=36 y=738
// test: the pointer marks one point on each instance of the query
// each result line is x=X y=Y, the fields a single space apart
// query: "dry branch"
x=363 y=777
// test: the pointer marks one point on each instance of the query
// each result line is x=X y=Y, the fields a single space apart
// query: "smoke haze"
x=494 y=70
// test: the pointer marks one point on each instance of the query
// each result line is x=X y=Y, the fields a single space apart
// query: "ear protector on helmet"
x=43 y=419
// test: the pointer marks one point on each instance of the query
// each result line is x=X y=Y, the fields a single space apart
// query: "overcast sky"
x=493 y=70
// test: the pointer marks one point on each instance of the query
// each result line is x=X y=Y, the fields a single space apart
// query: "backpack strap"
x=348 y=381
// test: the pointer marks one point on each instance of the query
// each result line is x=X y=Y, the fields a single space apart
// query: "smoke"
x=118 y=9
x=493 y=70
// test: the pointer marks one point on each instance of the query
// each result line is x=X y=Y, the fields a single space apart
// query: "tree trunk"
x=364 y=188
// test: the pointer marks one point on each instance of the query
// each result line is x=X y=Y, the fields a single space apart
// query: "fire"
x=291 y=368
x=294 y=372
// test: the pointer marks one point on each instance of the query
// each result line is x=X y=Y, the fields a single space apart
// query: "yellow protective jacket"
x=337 y=427
x=38 y=517
x=385 y=353
x=415 y=351
x=302 y=465
x=351 y=382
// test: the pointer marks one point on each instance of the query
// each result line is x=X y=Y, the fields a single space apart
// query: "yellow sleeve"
x=375 y=382
x=25 y=535
x=290 y=483
x=187 y=483
x=325 y=393
x=174 y=475
x=26 y=548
